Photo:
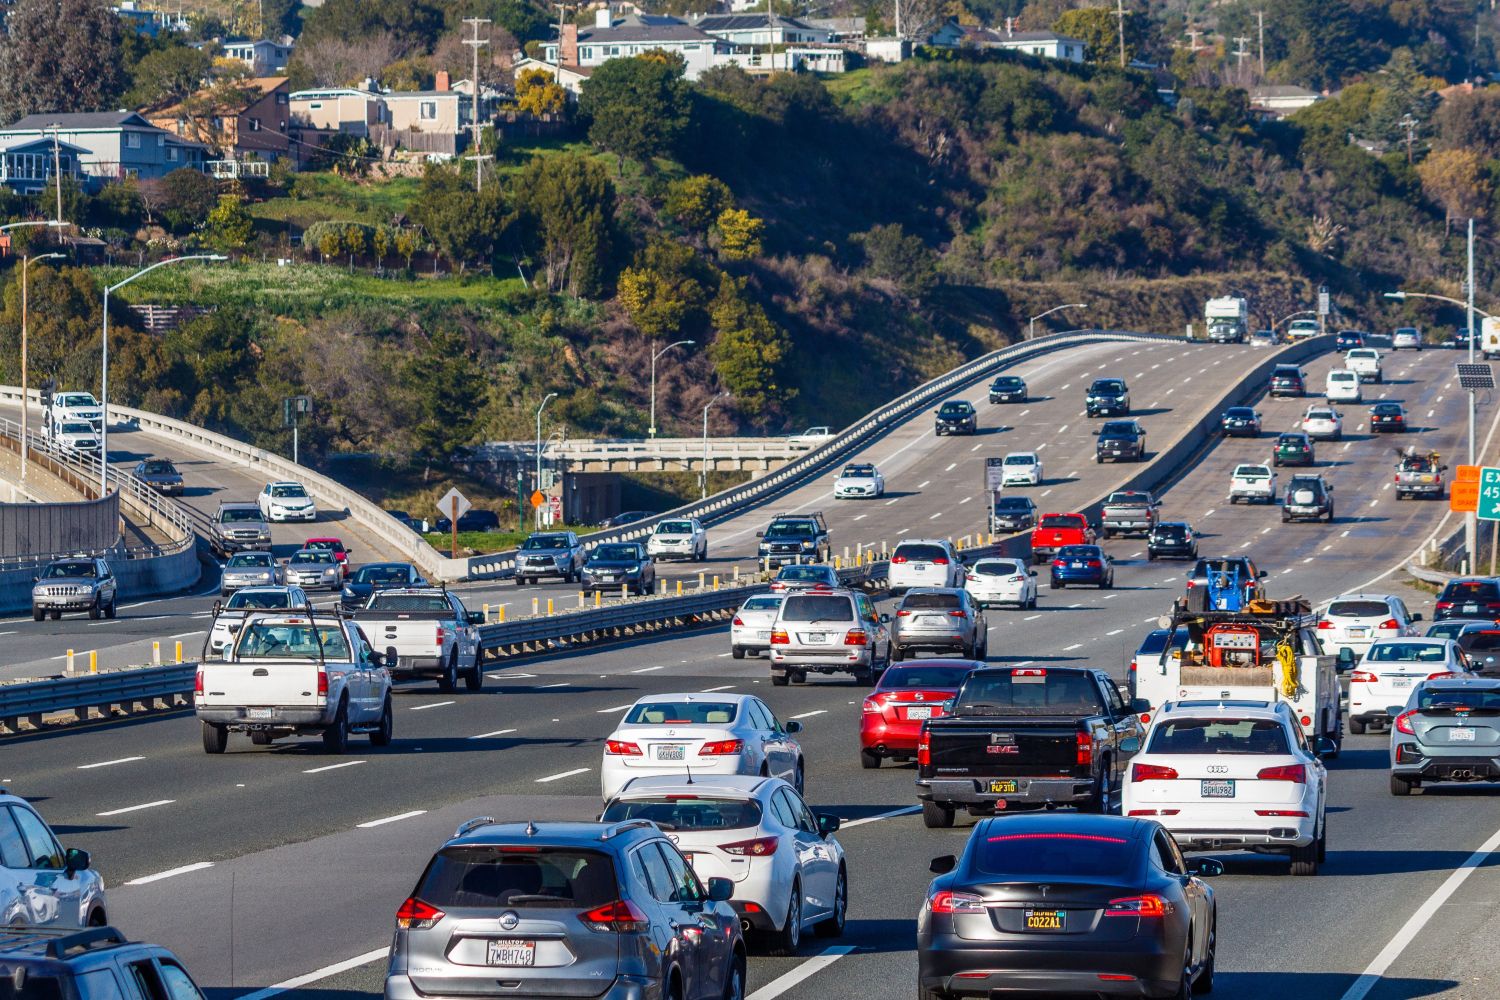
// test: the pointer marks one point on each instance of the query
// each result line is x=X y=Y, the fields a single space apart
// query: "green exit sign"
x=1489 y=494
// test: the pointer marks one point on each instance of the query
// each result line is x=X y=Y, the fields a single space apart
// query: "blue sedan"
x=1082 y=564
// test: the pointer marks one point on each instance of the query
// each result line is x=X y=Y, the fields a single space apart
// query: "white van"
x=1343 y=386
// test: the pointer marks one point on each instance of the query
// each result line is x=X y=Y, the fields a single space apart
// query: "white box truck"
x=1227 y=319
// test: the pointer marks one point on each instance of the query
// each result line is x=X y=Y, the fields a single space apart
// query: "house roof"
x=257 y=88
x=78 y=121
x=406 y=95
x=327 y=92
x=748 y=22
x=1281 y=91
x=645 y=28
x=530 y=63
x=15 y=144
x=1022 y=37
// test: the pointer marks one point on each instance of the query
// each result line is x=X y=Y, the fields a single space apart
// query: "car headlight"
x=807 y=545
x=349 y=592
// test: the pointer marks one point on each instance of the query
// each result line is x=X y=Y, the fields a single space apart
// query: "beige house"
x=445 y=112
x=337 y=109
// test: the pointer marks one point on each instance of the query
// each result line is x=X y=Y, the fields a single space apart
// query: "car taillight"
x=940 y=562
x=1095 y=564
x=958 y=614
x=779 y=638
x=1444 y=605
x=738 y=622
x=621 y=916
x=1058 y=564
x=898 y=560
x=720 y=748
x=323 y=683
x=1085 y=749
x=1441 y=674
x=198 y=683
x=1286 y=772
x=442 y=635
x=1403 y=723
x=757 y=848
x=1363 y=677
x=947 y=901
x=924 y=750
x=1149 y=905
x=1288 y=813
x=417 y=915
x=1018 y=579
x=856 y=637
x=1152 y=772
x=1390 y=623
x=903 y=613
x=1325 y=623
x=873 y=707
x=622 y=748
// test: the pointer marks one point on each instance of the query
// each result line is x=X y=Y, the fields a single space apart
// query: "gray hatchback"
x=603 y=910
x=1449 y=731
x=939 y=618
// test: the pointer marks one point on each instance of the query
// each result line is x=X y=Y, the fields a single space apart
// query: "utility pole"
x=1120 y=13
x=474 y=105
x=1410 y=124
x=57 y=169
x=1260 y=29
x=562 y=16
x=1471 y=519
x=1240 y=54
x=898 y=20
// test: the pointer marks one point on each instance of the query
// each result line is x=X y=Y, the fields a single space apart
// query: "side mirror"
x=760 y=534
x=1345 y=660
x=1416 y=618
x=377 y=659
x=1205 y=867
x=943 y=865
x=1031 y=572
x=793 y=727
x=1323 y=746
x=885 y=619
x=828 y=824
x=720 y=890
x=76 y=860
x=1130 y=744
x=948 y=706
x=218 y=606
x=391 y=656
x=1261 y=575
x=1140 y=706
x=476 y=617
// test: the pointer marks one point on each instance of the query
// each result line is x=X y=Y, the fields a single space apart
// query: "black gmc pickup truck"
x=1027 y=737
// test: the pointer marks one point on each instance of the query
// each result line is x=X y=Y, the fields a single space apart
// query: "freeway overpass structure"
x=756 y=455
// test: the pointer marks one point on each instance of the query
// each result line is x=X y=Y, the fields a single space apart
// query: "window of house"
x=427 y=111
x=315 y=105
x=588 y=52
x=281 y=98
x=172 y=154
x=255 y=124
x=132 y=140
x=690 y=48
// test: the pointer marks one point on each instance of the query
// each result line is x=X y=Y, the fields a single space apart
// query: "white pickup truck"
x=1252 y=484
x=430 y=632
x=1365 y=362
x=289 y=673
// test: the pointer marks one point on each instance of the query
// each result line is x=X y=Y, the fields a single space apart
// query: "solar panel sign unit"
x=1475 y=376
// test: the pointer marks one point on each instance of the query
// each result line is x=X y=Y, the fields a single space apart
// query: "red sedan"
x=908 y=695
x=334 y=545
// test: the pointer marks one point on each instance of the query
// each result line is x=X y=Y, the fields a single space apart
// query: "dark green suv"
x=1292 y=448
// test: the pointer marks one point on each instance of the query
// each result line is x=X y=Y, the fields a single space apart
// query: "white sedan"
x=678 y=538
x=788 y=869
x=229 y=617
x=1001 y=581
x=859 y=479
x=750 y=629
x=1232 y=775
x=715 y=733
x=287 y=501
x=1391 y=668
x=1322 y=423
x=1021 y=468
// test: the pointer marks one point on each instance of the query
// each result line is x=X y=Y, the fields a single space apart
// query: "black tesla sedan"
x=1067 y=903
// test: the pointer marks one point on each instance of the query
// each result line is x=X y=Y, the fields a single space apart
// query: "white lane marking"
x=1072 y=647
x=560 y=684
x=923 y=484
x=1066 y=387
x=1377 y=969
x=498 y=732
x=612 y=708
x=196 y=866
x=888 y=502
x=720 y=656
x=1265 y=531
x=903 y=811
x=1344 y=533
x=809 y=715
x=184 y=635
x=935 y=516
x=977 y=446
x=1430 y=413
x=1386 y=486
x=903 y=531
x=1245 y=545
x=1309 y=559
x=1031 y=618
x=131 y=809
x=1135 y=555
x=392 y=819
x=1025 y=411
x=1110 y=597
x=1438 y=400
x=860 y=517
x=1286 y=571
x=721 y=687
x=333 y=767
x=966 y=500
x=1115 y=631
x=1046 y=492
x=951 y=466
x=1375 y=502
x=647 y=670
x=806 y=970
x=1209 y=512
x=560 y=776
x=1041 y=446
x=432 y=704
x=317 y=974
x=1346 y=445
x=1063 y=429
x=108 y=763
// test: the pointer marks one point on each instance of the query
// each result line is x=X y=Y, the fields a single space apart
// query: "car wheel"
x=54 y=614
x=1322 y=846
x=95 y=610
x=381 y=735
x=1099 y=799
x=738 y=652
x=1185 y=987
x=734 y=986
x=786 y=941
x=449 y=678
x=869 y=759
x=109 y=612
x=936 y=816
x=1053 y=585
x=474 y=676
x=520 y=580
x=1400 y=786
x=1205 y=981
x=779 y=679
x=798 y=676
x=1305 y=859
x=897 y=653
x=799 y=778
x=1357 y=726
x=336 y=736
x=834 y=926
x=37 y=614
x=215 y=738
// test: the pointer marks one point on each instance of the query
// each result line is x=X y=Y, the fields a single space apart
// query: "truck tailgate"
x=411 y=636
x=1003 y=748
x=278 y=683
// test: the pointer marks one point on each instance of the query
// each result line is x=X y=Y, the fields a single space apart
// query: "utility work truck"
x=1266 y=652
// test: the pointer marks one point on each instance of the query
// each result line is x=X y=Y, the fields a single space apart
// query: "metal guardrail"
x=660 y=449
x=155 y=687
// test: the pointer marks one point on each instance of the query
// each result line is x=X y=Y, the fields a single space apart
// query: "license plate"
x=928 y=621
x=1461 y=735
x=763 y=634
x=818 y=637
x=919 y=567
x=1046 y=920
x=674 y=752
x=1211 y=788
x=1077 y=565
x=919 y=712
x=260 y=713
x=1358 y=632
x=510 y=951
x=1471 y=607
x=1401 y=682
x=1004 y=787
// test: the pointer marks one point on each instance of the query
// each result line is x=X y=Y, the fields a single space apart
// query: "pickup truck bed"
x=432 y=633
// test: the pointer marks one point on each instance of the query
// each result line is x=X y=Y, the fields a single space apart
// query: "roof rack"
x=627 y=826
x=83 y=940
x=470 y=825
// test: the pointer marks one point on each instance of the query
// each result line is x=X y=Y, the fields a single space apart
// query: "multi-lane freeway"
x=284 y=866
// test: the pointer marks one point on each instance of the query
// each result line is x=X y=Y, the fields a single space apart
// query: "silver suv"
x=41 y=884
x=549 y=553
x=239 y=526
x=829 y=632
x=80 y=583
x=94 y=962
x=611 y=911
x=939 y=618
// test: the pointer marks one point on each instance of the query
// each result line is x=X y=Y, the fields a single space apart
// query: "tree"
x=568 y=207
x=407 y=242
x=739 y=234
x=466 y=225
x=380 y=243
x=414 y=25
x=1098 y=28
x=697 y=201
x=184 y=198
x=636 y=107
x=168 y=76
x=344 y=62
x=1458 y=180
x=448 y=386
x=663 y=291
x=892 y=254
x=538 y=94
x=229 y=226
x=749 y=352
x=59 y=55
x=915 y=20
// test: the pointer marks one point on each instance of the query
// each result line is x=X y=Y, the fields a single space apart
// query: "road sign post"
x=455 y=505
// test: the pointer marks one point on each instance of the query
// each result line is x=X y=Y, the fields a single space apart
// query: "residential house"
x=337 y=109
x=887 y=49
x=150 y=23
x=264 y=57
x=571 y=77
x=1278 y=101
x=808 y=57
x=761 y=29
x=255 y=126
x=615 y=37
x=948 y=35
x=27 y=163
x=1047 y=44
x=439 y=111
x=843 y=29
x=110 y=144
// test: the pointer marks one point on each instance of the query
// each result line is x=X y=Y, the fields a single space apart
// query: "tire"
x=54 y=615
x=798 y=676
x=786 y=941
x=1322 y=847
x=779 y=680
x=381 y=735
x=474 y=676
x=897 y=653
x=833 y=927
x=1305 y=860
x=869 y=760
x=1099 y=801
x=215 y=738
x=799 y=778
x=260 y=738
x=1205 y=982
x=95 y=611
x=449 y=679
x=738 y=652
x=1400 y=786
x=1184 y=988
x=734 y=986
x=936 y=816
x=1357 y=726
x=336 y=736
x=37 y=614
x=109 y=612
x=1051 y=584
x=520 y=581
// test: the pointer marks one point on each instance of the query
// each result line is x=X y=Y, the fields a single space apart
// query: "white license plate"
x=1216 y=789
x=510 y=951
x=919 y=567
x=929 y=621
x=1358 y=632
x=260 y=713
x=1471 y=607
x=1401 y=682
x=817 y=637
x=1077 y=565
x=1461 y=735
x=763 y=634
x=673 y=752
x=919 y=712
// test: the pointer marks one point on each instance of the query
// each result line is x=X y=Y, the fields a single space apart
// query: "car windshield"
x=917 y=678
x=1064 y=521
x=998 y=567
x=380 y=574
x=1117 y=428
x=251 y=560
x=1047 y=854
x=789 y=529
x=77 y=399
x=682 y=713
x=617 y=553
x=687 y=812
x=1470 y=590
x=260 y=600
x=1012 y=505
x=1029 y=691
x=955 y=410
x=1008 y=382
x=1219 y=736
x=817 y=608
x=311 y=557
x=409 y=602
x=859 y=472
x=78 y=567
x=158 y=468
x=766 y=603
x=931 y=601
x=1406 y=652
x=1476 y=699
x=283 y=490
x=1107 y=385
x=803 y=573
x=1020 y=459
x=1251 y=471
x=675 y=528
x=545 y=543
x=238 y=515
x=291 y=641
x=490 y=877
x=77 y=427
x=919 y=552
x=1358 y=609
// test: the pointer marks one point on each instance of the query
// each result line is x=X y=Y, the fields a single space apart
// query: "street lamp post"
x=703 y=476
x=26 y=262
x=1300 y=312
x=652 y=430
x=104 y=360
x=1031 y=323
x=545 y=400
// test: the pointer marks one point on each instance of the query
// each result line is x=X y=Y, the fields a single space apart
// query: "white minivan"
x=1343 y=386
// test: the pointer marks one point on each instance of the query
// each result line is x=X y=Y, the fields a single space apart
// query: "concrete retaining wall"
x=29 y=529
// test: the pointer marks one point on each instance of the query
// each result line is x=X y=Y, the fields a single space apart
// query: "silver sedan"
x=310 y=568
x=249 y=569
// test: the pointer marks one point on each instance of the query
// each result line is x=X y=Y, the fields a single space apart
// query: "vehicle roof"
x=268 y=589
x=593 y=836
x=922 y=541
x=933 y=590
x=398 y=591
x=239 y=503
x=1243 y=708
x=745 y=785
x=547 y=534
x=1434 y=640
x=1124 y=827
x=713 y=697
x=1363 y=597
x=1064 y=513
x=284 y=482
x=1462 y=683
x=980 y=671
x=1020 y=454
x=324 y=538
x=59 y=946
x=386 y=565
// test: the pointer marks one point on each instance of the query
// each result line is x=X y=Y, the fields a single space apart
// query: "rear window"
x=1171 y=531
x=817 y=608
x=1078 y=552
x=803 y=573
x=762 y=604
x=1063 y=521
x=288 y=641
x=1406 y=652
x=1030 y=691
x=687 y=812
x=1052 y=853
x=1480 y=642
x=262 y=600
x=1219 y=736
x=1292 y=440
x=943 y=601
x=1286 y=371
x=997 y=567
x=912 y=678
x=396 y=603
x=682 y=713
x=1358 y=609
x=1445 y=630
x=1471 y=590
x=487 y=877
x=1341 y=377
x=1249 y=471
x=1476 y=699
x=918 y=552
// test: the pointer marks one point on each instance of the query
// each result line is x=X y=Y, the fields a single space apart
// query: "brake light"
x=970 y=577
x=442 y=635
x=1390 y=623
x=622 y=748
x=958 y=614
x=1441 y=674
x=1152 y=772
x=1363 y=677
x=779 y=638
x=1153 y=812
x=1146 y=906
x=903 y=613
x=323 y=683
x=1094 y=564
x=1018 y=579
x=417 y=915
x=720 y=748
x=1444 y=605
x=1289 y=813
x=898 y=560
x=1085 y=749
x=872 y=707
x=1057 y=563
x=198 y=683
x=1403 y=723
x=757 y=848
x=738 y=622
x=924 y=750
x=856 y=637
x=621 y=916
x=940 y=562
x=947 y=901
x=1325 y=623
x=1286 y=772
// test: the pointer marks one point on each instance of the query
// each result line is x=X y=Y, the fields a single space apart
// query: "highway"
x=264 y=866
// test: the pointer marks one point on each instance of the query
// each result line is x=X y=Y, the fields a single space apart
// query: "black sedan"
x=1240 y=421
x=1013 y=513
x=161 y=475
x=957 y=416
x=1387 y=418
x=618 y=565
x=1008 y=389
x=1172 y=540
x=1052 y=903
x=372 y=578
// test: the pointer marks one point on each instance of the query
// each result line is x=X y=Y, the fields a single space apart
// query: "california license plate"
x=1005 y=786
x=763 y=634
x=1358 y=632
x=1401 y=682
x=1213 y=788
x=919 y=567
x=1461 y=735
x=260 y=713
x=919 y=712
x=1046 y=920
x=511 y=951
x=671 y=752
x=818 y=637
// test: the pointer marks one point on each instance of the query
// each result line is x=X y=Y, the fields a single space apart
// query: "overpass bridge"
x=736 y=454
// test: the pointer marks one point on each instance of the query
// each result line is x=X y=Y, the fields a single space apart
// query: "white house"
x=264 y=57
x=809 y=57
x=887 y=49
x=761 y=29
x=632 y=35
x=1047 y=44
x=1279 y=101
x=571 y=77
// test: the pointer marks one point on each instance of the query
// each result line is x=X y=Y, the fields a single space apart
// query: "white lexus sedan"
x=788 y=870
x=708 y=734
x=1233 y=775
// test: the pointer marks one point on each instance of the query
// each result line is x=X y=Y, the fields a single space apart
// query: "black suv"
x=1008 y=389
x=1468 y=598
x=1307 y=498
x=1172 y=540
x=54 y=963
x=1288 y=380
x=957 y=416
x=1120 y=441
x=1107 y=397
x=1348 y=339
x=795 y=538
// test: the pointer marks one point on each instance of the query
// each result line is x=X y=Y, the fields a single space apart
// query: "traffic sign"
x=556 y=505
x=538 y=498
x=1323 y=302
x=453 y=505
x=994 y=474
x=1463 y=498
x=1489 y=494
